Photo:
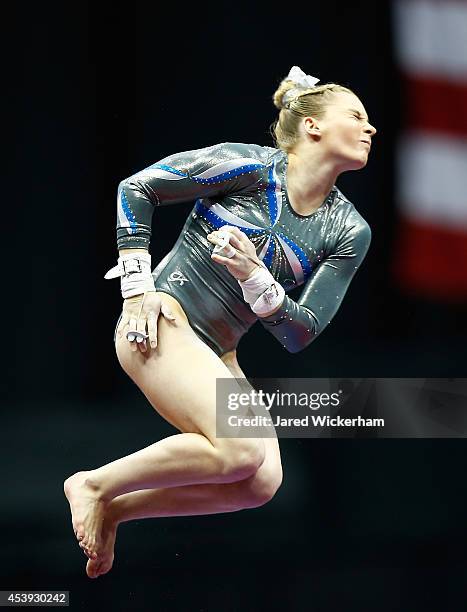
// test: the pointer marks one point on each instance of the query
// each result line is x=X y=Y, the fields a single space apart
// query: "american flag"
x=430 y=39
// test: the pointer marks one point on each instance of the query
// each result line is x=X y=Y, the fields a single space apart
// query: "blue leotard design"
x=245 y=185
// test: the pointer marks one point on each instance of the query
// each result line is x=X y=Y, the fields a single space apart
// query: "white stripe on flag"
x=432 y=179
x=431 y=37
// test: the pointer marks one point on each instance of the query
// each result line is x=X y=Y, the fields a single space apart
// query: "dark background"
x=96 y=92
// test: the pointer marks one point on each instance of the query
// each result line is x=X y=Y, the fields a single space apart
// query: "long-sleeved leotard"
x=245 y=185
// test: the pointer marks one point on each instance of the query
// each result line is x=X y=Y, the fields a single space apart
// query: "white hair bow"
x=301 y=80
x=297 y=75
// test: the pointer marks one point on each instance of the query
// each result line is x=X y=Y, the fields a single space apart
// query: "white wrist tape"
x=262 y=292
x=135 y=274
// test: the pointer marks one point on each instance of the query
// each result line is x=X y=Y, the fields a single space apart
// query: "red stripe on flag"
x=436 y=105
x=431 y=260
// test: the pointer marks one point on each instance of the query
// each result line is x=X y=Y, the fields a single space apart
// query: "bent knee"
x=263 y=489
x=241 y=458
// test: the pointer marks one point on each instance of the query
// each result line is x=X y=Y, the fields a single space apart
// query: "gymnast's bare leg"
x=187 y=500
x=189 y=473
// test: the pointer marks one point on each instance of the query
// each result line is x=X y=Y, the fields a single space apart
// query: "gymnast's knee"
x=241 y=457
x=262 y=487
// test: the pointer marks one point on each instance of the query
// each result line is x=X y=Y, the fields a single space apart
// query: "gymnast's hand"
x=141 y=313
x=245 y=261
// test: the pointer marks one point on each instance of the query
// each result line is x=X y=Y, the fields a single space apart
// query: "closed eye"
x=357 y=114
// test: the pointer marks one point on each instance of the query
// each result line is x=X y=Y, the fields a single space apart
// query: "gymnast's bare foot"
x=87 y=511
x=103 y=564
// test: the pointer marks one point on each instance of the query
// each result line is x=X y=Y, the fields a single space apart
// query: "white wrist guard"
x=135 y=274
x=262 y=292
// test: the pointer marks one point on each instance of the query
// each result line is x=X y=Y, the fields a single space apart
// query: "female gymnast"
x=265 y=220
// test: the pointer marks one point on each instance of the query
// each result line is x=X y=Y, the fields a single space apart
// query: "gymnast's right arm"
x=217 y=170
x=183 y=177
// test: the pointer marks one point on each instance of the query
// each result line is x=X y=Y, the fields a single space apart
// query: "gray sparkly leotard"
x=245 y=185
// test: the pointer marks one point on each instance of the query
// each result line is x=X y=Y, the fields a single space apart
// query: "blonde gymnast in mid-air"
x=265 y=220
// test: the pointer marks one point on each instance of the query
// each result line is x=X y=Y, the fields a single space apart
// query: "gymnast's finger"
x=131 y=336
x=235 y=242
x=122 y=324
x=152 y=328
x=140 y=339
x=214 y=238
x=220 y=259
x=165 y=310
x=236 y=233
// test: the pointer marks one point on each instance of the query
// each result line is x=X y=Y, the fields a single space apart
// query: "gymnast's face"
x=345 y=132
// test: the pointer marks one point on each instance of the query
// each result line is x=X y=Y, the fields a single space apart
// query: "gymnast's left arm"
x=297 y=324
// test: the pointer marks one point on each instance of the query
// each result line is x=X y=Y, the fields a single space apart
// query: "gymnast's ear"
x=311 y=126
